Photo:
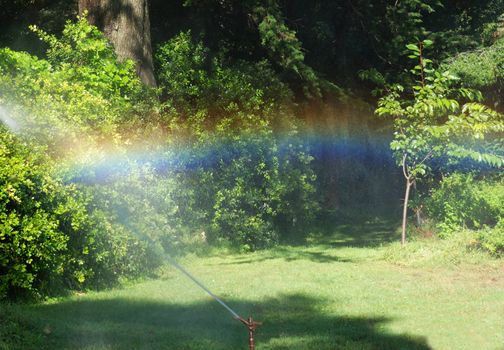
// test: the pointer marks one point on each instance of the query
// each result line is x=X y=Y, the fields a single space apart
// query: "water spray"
x=249 y=323
x=7 y=120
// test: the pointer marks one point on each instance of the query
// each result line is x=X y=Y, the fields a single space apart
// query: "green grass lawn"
x=335 y=292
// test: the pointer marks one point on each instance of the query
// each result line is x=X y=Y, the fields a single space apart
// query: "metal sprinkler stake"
x=252 y=326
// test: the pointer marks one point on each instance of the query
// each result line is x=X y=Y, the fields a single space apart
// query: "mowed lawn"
x=333 y=293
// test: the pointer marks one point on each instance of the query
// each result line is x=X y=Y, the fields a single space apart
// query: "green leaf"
x=427 y=43
x=413 y=47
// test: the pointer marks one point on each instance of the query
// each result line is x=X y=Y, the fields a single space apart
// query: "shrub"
x=54 y=235
x=247 y=184
x=481 y=68
x=79 y=95
x=87 y=225
x=30 y=241
x=58 y=233
x=462 y=201
x=492 y=239
x=248 y=189
x=210 y=90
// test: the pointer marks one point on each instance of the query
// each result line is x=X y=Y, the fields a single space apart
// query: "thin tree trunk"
x=126 y=24
x=405 y=211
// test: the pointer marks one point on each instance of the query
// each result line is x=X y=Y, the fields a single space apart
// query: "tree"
x=126 y=24
x=429 y=123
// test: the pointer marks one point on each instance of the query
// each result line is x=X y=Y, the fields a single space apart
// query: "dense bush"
x=483 y=69
x=233 y=165
x=193 y=80
x=253 y=175
x=492 y=239
x=52 y=235
x=79 y=95
x=30 y=241
x=463 y=201
x=58 y=231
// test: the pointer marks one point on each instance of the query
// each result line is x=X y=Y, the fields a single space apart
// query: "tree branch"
x=404 y=167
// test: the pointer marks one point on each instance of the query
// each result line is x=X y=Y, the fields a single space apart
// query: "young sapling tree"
x=429 y=122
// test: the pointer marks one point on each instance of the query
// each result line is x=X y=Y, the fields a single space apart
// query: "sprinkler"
x=249 y=323
x=252 y=326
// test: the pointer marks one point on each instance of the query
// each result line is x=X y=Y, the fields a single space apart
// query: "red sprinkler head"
x=252 y=326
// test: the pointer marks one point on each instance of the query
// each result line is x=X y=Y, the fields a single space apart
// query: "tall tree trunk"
x=126 y=24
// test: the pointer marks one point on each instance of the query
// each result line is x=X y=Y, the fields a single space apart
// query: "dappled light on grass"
x=317 y=247
x=348 y=299
x=290 y=321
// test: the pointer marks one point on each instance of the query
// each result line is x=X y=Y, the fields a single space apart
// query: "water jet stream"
x=249 y=323
x=216 y=298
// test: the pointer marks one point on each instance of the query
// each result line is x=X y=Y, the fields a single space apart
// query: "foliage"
x=60 y=234
x=285 y=48
x=139 y=206
x=52 y=235
x=266 y=32
x=331 y=39
x=304 y=39
x=79 y=93
x=231 y=166
x=96 y=222
x=462 y=201
x=430 y=122
x=482 y=69
x=30 y=241
x=84 y=56
x=492 y=239
x=198 y=86
x=234 y=116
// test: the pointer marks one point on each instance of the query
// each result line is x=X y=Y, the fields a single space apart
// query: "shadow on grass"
x=289 y=322
x=320 y=246
x=358 y=234
x=286 y=253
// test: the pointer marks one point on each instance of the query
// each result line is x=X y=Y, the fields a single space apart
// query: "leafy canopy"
x=435 y=118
